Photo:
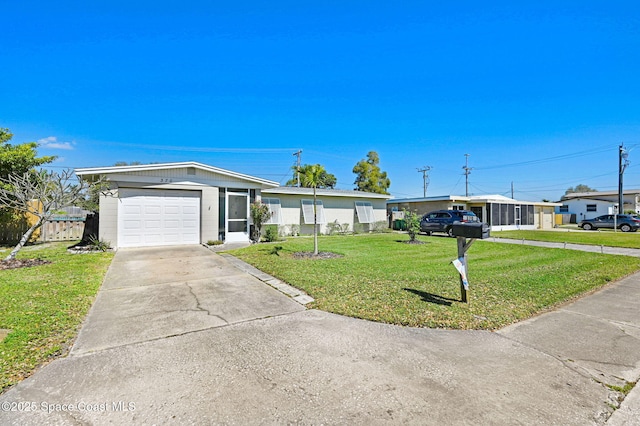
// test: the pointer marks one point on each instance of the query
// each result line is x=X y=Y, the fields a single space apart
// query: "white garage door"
x=152 y=217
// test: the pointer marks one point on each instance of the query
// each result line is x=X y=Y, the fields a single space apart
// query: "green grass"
x=381 y=278
x=577 y=236
x=44 y=306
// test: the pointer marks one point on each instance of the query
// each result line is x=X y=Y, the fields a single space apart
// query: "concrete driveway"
x=155 y=293
x=180 y=336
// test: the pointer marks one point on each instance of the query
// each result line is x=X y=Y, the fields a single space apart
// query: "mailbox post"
x=466 y=233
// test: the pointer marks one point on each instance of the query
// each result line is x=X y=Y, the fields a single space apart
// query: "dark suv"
x=624 y=222
x=442 y=220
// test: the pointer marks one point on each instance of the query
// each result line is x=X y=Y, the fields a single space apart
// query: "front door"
x=237 y=217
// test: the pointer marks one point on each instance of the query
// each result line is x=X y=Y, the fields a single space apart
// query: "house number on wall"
x=166 y=180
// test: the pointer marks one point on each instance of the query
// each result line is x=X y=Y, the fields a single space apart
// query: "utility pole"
x=425 y=179
x=512 y=190
x=298 y=154
x=623 y=162
x=467 y=171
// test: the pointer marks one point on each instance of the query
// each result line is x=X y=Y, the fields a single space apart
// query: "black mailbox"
x=471 y=230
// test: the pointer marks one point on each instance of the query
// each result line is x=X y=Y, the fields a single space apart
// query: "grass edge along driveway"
x=44 y=306
x=381 y=278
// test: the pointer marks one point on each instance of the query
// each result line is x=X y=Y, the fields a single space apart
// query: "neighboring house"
x=500 y=212
x=587 y=205
x=192 y=203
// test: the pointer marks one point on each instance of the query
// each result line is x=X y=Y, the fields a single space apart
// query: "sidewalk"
x=629 y=412
x=569 y=246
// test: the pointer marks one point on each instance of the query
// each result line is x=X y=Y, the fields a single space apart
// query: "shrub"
x=333 y=227
x=98 y=245
x=295 y=229
x=260 y=214
x=214 y=242
x=380 y=226
x=271 y=233
x=412 y=221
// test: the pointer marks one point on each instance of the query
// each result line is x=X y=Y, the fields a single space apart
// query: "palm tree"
x=312 y=178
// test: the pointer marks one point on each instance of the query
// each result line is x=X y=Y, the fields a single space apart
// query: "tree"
x=369 y=176
x=18 y=159
x=312 y=178
x=580 y=188
x=39 y=193
x=327 y=180
x=260 y=214
x=412 y=221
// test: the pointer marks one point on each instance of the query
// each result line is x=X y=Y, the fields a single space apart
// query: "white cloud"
x=51 y=142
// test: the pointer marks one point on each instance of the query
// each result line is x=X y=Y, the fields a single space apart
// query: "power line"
x=548 y=159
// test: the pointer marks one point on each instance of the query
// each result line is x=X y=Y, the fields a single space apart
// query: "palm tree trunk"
x=315 y=224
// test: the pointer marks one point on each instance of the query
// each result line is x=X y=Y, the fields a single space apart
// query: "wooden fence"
x=53 y=230
x=10 y=233
x=62 y=230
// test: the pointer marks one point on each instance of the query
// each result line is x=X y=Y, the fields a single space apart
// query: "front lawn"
x=606 y=238
x=44 y=305
x=381 y=278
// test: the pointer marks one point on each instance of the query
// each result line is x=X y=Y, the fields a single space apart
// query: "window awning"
x=275 y=209
x=307 y=212
x=364 y=210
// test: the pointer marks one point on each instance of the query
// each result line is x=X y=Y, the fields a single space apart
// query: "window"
x=364 y=210
x=564 y=209
x=592 y=207
x=307 y=212
x=275 y=209
x=457 y=207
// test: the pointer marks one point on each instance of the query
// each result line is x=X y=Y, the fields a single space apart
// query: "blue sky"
x=540 y=94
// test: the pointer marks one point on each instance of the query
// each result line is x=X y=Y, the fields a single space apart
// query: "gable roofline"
x=94 y=171
x=293 y=190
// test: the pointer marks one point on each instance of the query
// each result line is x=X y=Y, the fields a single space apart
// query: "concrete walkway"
x=569 y=246
x=181 y=336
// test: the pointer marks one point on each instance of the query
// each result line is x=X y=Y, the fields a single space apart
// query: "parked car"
x=624 y=222
x=442 y=220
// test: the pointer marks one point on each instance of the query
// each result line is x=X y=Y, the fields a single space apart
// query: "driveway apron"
x=154 y=293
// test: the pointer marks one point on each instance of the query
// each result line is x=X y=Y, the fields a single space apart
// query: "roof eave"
x=93 y=171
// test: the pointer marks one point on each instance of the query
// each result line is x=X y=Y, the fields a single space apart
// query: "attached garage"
x=153 y=217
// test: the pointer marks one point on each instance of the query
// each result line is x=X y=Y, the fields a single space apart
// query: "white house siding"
x=340 y=209
x=108 y=221
x=209 y=214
